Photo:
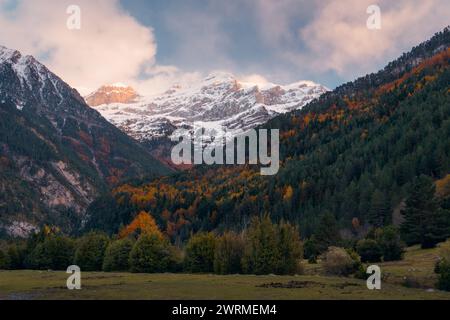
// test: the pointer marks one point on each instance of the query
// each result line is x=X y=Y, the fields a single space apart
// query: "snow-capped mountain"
x=56 y=153
x=218 y=101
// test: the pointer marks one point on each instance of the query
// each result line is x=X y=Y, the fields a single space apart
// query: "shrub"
x=55 y=252
x=91 y=251
x=359 y=271
x=338 y=262
x=117 y=255
x=442 y=268
x=228 y=254
x=150 y=254
x=200 y=251
x=444 y=277
x=391 y=245
x=310 y=250
x=369 y=250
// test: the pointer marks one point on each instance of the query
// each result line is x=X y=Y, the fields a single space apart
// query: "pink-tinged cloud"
x=111 y=46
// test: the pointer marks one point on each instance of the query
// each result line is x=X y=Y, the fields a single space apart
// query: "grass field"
x=411 y=278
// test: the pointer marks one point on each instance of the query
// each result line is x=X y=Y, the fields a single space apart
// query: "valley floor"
x=18 y=285
x=411 y=278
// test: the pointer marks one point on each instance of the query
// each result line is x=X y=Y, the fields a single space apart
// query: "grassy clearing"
x=416 y=270
x=51 y=285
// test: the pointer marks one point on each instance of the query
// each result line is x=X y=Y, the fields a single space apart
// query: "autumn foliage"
x=144 y=223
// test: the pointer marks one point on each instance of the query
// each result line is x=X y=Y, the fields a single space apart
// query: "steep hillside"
x=56 y=153
x=350 y=152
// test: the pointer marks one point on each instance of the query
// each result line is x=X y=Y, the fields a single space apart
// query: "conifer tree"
x=327 y=233
x=379 y=209
x=261 y=252
x=424 y=221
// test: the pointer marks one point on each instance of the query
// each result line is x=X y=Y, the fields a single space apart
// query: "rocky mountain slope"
x=56 y=153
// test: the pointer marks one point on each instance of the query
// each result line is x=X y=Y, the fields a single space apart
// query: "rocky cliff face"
x=56 y=153
x=115 y=93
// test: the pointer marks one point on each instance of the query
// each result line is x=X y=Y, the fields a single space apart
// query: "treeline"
x=263 y=248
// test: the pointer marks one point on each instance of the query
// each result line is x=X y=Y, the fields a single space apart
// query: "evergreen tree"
x=117 y=255
x=425 y=223
x=228 y=254
x=310 y=250
x=16 y=257
x=369 y=250
x=327 y=233
x=4 y=261
x=55 y=252
x=391 y=244
x=289 y=248
x=261 y=251
x=91 y=251
x=379 y=209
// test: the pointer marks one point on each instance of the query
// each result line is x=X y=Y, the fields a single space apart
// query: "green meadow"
x=411 y=278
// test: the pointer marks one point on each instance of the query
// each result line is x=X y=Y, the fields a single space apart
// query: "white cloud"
x=110 y=47
x=338 y=38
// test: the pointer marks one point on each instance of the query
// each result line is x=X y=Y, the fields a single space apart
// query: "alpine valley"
x=348 y=158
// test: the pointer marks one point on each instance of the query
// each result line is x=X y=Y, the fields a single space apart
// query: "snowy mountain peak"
x=30 y=82
x=220 y=99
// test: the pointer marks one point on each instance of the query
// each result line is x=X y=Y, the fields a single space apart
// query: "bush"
x=55 y=252
x=338 y=262
x=91 y=251
x=442 y=268
x=369 y=250
x=391 y=245
x=200 y=251
x=228 y=254
x=150 y=254
x=311 y=250
x=4 y=261
x=444 y=277
x=117 y=256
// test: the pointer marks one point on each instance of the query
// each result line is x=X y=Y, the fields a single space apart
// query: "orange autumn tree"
x=144 y=223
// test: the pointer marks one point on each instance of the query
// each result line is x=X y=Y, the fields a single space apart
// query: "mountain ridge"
x=218 y=100
x=57 y=153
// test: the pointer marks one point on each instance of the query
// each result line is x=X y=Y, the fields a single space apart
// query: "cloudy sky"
x=151 y=44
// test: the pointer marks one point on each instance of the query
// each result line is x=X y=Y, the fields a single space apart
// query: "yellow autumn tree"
x=144 y=223
x=288 y=193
